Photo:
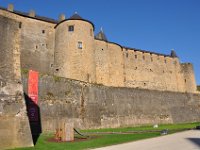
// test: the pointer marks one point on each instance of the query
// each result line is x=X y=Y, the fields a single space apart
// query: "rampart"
x=97 y=106
x=86 y=79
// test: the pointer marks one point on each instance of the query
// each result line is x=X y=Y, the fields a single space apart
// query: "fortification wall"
x=94 y=106
x=116 y=64
x=150 y=71
x=102 y=58
x=37 y=45
x=36 y=42
x=72 y=61
x=138 y=69
x=96 y=61
x=109 y=64
x=14 y=124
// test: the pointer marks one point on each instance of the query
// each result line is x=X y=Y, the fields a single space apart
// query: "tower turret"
x=74 y=49
x=189 y=78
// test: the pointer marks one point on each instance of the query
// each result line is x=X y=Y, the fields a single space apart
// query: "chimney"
x=10 y=7
x=31 y=13
x=62 y=17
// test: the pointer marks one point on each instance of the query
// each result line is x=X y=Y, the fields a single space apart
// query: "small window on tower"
x=80 y=45
x=91 y=32
x=20 y=25
x=135 y=56
x=71 y=28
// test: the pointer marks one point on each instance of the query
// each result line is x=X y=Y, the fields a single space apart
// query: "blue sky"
x=155 y=25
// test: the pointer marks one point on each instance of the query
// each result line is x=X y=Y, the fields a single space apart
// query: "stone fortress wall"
x=14 y=123
x=163 y=88
x=48 y=47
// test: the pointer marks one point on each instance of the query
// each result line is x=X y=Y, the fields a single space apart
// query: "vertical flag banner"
x=33 y=96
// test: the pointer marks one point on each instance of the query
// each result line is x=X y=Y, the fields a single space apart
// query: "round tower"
x=189 y=78
x=74 y=49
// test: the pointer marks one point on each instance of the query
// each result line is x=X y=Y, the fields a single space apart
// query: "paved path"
x=187 y=140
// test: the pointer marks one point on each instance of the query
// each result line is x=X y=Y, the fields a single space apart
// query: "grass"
x=101 y=140
x=147 y=128
x=94 y=142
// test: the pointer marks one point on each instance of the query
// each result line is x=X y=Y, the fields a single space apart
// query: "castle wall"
x=109 y=64
x=137 y=69
x=94 y=106
x=14 y=124
x=70 y=61
x=37 y=45
x=102 y=58
x=36 y=42
x=149 y=71
x=116 y=65
x=54 y=50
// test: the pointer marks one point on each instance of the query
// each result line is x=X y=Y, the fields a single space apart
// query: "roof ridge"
x=24 y=14
x=147 y=51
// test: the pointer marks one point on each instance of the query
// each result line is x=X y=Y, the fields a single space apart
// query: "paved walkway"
x=187 y=140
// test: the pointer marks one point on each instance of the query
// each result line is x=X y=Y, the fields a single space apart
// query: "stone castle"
x=85 y=79
x=68 y=48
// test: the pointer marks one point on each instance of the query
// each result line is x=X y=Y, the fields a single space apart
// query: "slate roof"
x=76 y=17
x=36 y=16
x=146 y=51
x=173 y=53
x=101 y=36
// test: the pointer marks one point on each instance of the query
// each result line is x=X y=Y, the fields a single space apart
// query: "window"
x=127 y=55
x=43 y=31
x=71 y=28
x=151 y=59
x=80 y=45
x=20 y=25
x=135 y=56
x=143 y=57
x=91 y=32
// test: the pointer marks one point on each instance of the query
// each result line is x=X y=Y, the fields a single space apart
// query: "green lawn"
x=147 y=128
x=100 y=140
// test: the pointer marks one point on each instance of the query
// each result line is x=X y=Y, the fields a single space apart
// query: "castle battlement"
x=67 y=47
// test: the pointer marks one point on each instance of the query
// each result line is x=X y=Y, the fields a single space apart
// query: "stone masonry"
x=85 y=79
x=14 y=123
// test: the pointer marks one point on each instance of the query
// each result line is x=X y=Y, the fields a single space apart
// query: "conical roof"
x=173 y=53
x=76 y=17
x=101 y=36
